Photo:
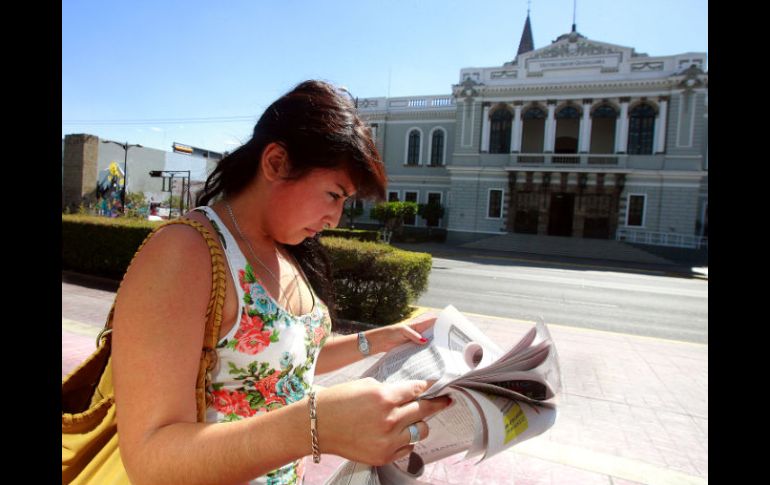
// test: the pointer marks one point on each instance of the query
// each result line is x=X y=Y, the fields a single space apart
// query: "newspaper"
x=500 y=398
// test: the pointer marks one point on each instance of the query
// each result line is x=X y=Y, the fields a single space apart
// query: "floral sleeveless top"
x=268 y=358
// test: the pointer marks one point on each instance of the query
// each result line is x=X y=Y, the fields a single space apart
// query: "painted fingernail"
x=423 y=340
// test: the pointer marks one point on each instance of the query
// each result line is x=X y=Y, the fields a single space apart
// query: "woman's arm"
x=342 y=350
x=158 y=333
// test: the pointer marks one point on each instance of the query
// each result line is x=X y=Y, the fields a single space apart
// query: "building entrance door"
x=561 y=214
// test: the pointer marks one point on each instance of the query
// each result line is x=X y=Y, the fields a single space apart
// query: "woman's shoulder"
x=173 y=249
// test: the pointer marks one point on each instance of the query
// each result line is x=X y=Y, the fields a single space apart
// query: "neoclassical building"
x=580 y=138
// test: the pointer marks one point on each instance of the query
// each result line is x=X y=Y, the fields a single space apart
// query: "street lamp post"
x=125 y=147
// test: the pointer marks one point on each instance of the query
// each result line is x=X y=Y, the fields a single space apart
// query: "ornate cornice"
x=598 y=86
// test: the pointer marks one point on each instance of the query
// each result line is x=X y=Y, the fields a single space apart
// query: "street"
x=651 y=305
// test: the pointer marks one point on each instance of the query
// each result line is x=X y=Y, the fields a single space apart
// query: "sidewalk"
x=633 y=409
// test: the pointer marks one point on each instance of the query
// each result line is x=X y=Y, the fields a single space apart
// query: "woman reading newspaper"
x=266 y=203
x=503 y=396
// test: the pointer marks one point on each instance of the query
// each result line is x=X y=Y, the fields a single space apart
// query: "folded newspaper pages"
x=499 y=398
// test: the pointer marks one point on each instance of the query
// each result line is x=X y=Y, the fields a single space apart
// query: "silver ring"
x=414 y=434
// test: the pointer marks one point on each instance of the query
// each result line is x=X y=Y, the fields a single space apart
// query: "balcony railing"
x=562 y=159
x=661 y=239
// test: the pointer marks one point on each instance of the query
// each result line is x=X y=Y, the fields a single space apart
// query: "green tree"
x=392 y=214
x=432 y=213
x=351 y=211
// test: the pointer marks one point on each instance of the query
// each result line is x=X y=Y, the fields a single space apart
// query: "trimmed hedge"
x=101 y=246
x=359 y=234
x=374 y=283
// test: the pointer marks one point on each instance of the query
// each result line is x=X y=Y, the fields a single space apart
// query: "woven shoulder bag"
x=89 y=436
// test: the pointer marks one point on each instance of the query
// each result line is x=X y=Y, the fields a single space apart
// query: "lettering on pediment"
x=568 y=56
x=574 y=49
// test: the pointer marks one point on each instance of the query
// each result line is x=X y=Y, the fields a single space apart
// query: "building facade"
x=580 y=138
x=86 y=159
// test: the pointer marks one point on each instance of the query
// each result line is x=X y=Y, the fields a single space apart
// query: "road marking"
x=606 y=464
x=590 y=303
x=552 y=300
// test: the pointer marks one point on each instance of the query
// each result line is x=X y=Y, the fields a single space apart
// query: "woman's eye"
x=335 y=196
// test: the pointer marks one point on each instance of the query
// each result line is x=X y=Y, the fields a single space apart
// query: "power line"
x=159 y=121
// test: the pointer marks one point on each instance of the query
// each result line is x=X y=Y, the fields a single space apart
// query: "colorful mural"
x=109 y=188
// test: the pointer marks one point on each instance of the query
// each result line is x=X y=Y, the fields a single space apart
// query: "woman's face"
x=300 y=208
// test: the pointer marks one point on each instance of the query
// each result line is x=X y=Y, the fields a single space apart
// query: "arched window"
x=413 y=154
x=605 y=111
x=534 y=114
x=500 y=131
x=567 y=130
x=641 y=127
x=437 y=149
x=603 y=127
x=568 y=113
x=533 y=133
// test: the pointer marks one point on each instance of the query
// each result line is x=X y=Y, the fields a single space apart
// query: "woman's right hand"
x=367 y=421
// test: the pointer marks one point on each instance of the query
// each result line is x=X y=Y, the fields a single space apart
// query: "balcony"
x=411 y=103
x=594 y=161
x=567 y=160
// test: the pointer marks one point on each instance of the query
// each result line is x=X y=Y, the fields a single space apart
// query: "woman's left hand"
x=410 y=330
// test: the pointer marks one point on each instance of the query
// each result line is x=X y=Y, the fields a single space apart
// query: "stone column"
x=585 y=127
x=621 y=133
x=660 y=126
x=550 y=128
x=516 y=129
x=485 y=129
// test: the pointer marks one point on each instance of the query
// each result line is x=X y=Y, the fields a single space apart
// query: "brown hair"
x=318 y=126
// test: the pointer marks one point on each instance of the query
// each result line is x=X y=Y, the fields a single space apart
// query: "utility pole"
x=125 y=147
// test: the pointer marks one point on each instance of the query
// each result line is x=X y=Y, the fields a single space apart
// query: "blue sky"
x=124 y=61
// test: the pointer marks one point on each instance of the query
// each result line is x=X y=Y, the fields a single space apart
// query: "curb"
x=91 y=281
x=674 y=270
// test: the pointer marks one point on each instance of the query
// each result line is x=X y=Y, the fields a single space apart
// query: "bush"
x=358 y=234
x=101 y=246
x=376 y=283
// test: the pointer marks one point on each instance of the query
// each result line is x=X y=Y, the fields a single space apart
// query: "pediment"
x=573 y=51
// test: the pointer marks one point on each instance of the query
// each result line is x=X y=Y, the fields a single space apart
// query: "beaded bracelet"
x=314 y=428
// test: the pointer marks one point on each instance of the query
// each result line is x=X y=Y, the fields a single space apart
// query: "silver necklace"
x=253 y=255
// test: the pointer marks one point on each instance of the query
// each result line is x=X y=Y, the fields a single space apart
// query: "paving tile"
x=78 y=347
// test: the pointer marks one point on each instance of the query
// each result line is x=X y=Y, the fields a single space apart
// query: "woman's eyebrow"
x=344 y=192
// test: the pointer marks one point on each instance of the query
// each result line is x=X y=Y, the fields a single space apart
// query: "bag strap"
x=213 y=312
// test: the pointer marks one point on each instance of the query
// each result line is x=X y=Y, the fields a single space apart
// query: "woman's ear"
x=275 y=162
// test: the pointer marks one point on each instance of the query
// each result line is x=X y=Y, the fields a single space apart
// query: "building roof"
x=526 y=43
